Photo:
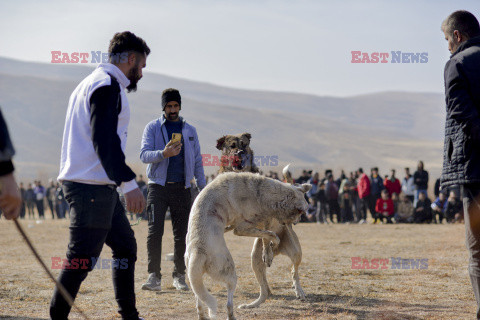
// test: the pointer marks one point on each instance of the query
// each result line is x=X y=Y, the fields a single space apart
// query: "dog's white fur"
x=248 y=203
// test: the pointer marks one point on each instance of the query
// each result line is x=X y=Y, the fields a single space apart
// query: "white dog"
x=246 y=202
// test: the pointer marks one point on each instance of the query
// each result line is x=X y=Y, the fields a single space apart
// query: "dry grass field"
x=334 y=290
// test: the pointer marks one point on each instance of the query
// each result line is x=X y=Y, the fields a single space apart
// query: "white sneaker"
x=153 y=283
x=179 y=283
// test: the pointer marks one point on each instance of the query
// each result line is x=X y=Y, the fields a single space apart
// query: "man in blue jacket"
x=171 y=167
x=461 y=160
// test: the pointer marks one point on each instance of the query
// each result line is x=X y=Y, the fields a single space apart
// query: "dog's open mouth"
x=238 y=161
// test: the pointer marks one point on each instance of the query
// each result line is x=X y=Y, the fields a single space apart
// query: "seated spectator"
x=311 y=212
x=384 y=207
x=404 y=213
x=439 y=207
x=423 y=209
x=454 y=209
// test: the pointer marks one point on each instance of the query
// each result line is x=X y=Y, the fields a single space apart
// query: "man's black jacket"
x=461 y=161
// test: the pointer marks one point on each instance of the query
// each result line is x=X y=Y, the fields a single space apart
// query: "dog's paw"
x=300 y=294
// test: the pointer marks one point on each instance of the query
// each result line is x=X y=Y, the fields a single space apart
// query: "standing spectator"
x=51 y=190
x=404 y=210
x=384 y=207
x=461 y=160
x=420 y=179
x=345 y=201
x=30 y=201
x=39 y=191
x=376 y=187
x=322 y=203
x=144 y=189
x=314 y=181
x=331 y=192
x=93 y=165
x=423 y=209
x=171 y=167
x=363 y=189
x=10 y=198
x=453 y=207
x=62 y=205
x=439 y=207
x=392 y=184
x=354 y=196
x=408 y=185
x=23 y=194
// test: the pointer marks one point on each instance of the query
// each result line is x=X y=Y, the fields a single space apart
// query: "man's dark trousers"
x=159 y=199
x=98 y=217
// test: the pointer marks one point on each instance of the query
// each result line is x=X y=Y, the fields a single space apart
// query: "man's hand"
x=172 y=149
x=10 y=198
x=135 y=201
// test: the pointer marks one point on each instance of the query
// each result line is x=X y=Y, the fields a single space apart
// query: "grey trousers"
x=471 y=208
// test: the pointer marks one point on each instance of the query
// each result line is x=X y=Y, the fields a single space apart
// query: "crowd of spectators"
x=346 y=199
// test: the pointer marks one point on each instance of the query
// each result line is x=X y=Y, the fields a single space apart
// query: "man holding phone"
x=171 y=148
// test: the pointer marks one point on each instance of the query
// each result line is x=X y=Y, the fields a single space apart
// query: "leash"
x=60 y=287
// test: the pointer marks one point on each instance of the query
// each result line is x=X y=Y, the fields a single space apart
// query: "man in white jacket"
x=92 y=166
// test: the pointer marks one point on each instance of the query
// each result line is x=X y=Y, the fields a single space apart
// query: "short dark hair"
x=463 y=21
x=127 y=42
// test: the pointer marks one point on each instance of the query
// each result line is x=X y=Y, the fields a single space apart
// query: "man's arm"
x=460 y=106
x=10 y=198
x=148 y=154
x=199 y=172
x=104 y=121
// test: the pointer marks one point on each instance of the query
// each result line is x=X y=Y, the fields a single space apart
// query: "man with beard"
x=461 y=160
x=92 y=166
x=171 y=167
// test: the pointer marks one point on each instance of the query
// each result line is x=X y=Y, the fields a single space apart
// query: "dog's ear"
x=247 y=135
x=220 y=142
x=304 y=187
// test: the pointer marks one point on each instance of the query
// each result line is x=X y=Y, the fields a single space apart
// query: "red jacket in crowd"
x=392 y=187
x=385 y=206
x=363 y=186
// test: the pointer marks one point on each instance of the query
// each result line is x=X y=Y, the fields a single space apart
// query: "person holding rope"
x=92 y=166
x=10 y=197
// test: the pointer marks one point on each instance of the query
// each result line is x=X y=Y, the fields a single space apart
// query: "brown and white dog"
x=263 y=250
x=237 y=156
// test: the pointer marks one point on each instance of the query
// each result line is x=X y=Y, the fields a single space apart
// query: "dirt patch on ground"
x=334 y=290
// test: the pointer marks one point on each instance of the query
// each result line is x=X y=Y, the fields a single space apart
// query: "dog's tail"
x=287 y=175
x=195 y=270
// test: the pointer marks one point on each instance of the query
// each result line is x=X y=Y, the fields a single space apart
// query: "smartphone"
x=176 y=137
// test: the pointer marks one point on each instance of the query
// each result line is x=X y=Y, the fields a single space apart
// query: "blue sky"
x=297 y=46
